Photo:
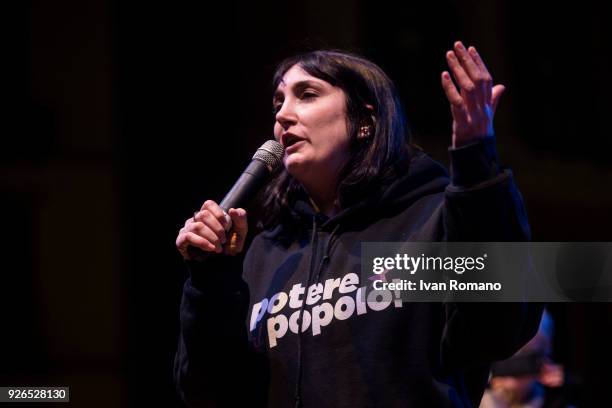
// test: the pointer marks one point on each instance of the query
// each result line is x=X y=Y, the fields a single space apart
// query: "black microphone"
x=266 y=160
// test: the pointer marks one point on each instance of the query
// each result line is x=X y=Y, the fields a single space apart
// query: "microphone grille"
x=271 y=154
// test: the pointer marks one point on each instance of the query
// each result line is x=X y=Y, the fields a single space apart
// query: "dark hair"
x=373 y=160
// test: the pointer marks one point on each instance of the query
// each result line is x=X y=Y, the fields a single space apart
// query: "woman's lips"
x=294 y=147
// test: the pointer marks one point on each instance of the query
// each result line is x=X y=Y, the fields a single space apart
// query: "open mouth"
x=290 y=139
x=294 y=146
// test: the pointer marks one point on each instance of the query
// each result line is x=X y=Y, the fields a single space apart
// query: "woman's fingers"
x=238 y=232
x=476 y=70
x=467 y=62
x=188 y=238
x=472 y=96
x=213 y=222
x=206 y=230
x=455 y=99
x=477 y=59
x=450 y=90
x=239 y=220
x=211 y=241
x=488 y=80
x=498 y=91
x=469 y=92
x=217 y=211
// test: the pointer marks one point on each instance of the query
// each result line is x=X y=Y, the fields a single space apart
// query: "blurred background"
x=123 y=117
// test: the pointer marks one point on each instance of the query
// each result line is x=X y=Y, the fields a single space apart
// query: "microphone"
x=266 y=160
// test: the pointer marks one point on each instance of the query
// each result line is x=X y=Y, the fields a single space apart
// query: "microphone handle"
x=247 y=185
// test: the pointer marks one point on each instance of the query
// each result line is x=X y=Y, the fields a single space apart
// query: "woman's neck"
x=323 y=200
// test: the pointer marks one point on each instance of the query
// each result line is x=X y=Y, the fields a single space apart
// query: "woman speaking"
x=288 y=322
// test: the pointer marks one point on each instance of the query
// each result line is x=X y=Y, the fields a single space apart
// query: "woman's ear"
x=367 y=125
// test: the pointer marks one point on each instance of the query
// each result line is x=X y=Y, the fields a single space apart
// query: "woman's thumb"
x=239 y=229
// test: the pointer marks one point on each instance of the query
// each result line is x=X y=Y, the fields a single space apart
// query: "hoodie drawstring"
x=324 y=261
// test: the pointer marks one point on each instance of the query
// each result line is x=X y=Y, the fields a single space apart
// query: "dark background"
x=123 y=117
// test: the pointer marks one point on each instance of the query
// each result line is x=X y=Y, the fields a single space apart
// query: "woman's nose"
x=286 y=115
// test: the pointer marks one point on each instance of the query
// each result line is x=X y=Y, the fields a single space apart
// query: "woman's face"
x=311 y=124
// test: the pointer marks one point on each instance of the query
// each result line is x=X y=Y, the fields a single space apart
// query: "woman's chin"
x=294 y=163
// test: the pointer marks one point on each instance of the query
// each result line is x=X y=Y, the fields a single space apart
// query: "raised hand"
x=473 y=105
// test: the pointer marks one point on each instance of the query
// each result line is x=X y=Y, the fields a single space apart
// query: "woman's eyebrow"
x=301 y=85
x=297 y=87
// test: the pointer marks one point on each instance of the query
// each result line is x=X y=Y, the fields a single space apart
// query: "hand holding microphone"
x=210 y=231
x=222 y=228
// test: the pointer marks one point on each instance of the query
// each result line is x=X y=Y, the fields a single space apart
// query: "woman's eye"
x=308 y=95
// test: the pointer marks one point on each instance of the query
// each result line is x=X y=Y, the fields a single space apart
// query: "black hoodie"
x=354 y=350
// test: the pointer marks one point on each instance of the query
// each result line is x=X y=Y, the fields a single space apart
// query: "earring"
x=364 y=132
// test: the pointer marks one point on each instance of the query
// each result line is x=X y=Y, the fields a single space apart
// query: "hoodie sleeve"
x=213 y=358
x=482 y=203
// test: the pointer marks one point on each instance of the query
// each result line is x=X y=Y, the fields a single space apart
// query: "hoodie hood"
x=421 y=177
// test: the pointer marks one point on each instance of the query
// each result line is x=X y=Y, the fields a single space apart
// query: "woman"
x=313 y=335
